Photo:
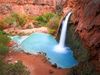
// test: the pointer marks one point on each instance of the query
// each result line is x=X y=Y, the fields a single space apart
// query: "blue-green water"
x=41 y=42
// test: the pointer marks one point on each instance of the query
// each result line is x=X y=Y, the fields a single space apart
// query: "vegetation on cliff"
x=4 y=39
x=50 y=20
x=80 y=52
x=44 y=19
x=12 y=69
x=14 y=20
x=7 y=68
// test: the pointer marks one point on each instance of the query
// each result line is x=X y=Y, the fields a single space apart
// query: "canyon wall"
x=87 y=19
x=27 y=7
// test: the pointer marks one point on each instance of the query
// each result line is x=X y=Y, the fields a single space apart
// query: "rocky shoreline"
x=36 y=64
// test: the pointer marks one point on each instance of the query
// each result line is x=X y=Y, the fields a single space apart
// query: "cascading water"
x=64 y=29
x=57 y=53
x=62 y=55
x=61 y=46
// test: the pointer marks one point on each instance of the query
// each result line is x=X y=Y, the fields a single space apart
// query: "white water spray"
x=60 y=48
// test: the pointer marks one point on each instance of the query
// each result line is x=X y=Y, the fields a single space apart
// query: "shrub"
x=2 y=32
x=2 y=25
x=85 y=68
x=12 y=69
x=4 y=39
x=80 y=52
x=73 y=40
x=13 y=19
x=2 y=66
x=20 y=20
x=53 y=24
x=17 y=69
x=3 y=49
x=44 y=19
x=9 y=69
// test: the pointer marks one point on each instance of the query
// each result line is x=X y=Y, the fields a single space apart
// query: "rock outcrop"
x=26 y=7
x=87 y=18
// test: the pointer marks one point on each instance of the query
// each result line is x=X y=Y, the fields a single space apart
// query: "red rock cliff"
x=28 y=7
x=87 y=19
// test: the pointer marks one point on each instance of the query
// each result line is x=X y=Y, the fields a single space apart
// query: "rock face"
x=87 y=18
x=27 y=7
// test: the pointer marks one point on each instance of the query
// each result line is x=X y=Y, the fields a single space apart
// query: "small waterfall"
x=61 y=46
x=63 y=31
x=56 y=52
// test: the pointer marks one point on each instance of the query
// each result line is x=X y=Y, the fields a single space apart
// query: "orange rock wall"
x=87 y=19
x=28 y=7
x=45 y=2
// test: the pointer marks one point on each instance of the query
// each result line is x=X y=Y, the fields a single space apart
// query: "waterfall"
x=61 y=46
x=57 y=53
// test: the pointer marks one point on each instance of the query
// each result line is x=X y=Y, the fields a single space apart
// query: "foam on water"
x=56 y=52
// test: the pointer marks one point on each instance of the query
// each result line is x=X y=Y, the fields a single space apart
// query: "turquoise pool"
x=41 y=42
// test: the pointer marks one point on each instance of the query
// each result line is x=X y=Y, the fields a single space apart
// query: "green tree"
x=17 y=69
x=4 y=39
x=13 y=69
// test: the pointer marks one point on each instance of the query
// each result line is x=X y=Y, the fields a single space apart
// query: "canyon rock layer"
x=87 y=19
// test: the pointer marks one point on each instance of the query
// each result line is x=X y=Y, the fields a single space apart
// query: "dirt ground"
x=36 y=64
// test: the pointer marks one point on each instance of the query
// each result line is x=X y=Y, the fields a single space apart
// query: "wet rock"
x=87 y=18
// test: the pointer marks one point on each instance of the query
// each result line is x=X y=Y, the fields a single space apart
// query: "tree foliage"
x=4 y=39
x=13 y=69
